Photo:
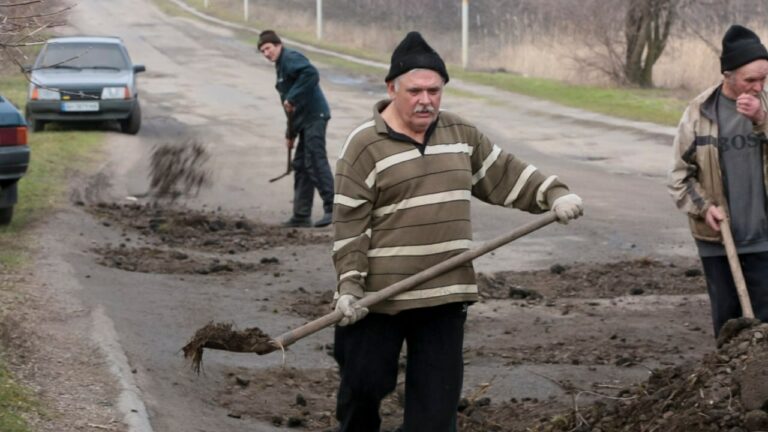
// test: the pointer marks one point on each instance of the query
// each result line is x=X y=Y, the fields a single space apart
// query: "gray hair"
x=397 y=80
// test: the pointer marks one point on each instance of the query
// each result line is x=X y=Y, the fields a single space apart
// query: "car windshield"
x=82 y=56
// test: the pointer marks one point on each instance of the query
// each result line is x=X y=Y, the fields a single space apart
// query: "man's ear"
x=391 y=89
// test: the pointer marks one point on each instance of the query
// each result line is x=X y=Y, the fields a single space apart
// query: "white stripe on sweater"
x=433 y=292
x=420 y=250
x=486 y=165
x=338 y=244
x=389 y=162
x=449 y=148
x=347 y=201
x=363 y=126
x=541 y=198
x=352 y=273
x=519 y=184
x=435 y=198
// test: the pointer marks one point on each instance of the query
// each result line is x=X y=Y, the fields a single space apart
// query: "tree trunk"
x=646 y=30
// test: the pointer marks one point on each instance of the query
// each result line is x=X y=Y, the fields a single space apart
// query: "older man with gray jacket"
x=720 y=167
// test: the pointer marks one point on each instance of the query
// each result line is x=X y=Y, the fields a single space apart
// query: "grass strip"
x=54 y=157
x=652 y=105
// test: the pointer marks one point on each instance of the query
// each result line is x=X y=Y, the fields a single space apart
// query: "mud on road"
x=162 y=239
x=175 y=240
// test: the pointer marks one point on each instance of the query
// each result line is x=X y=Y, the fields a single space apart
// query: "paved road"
x=202 y=83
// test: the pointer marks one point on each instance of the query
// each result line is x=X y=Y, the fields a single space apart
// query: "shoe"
x=295 y=222
x=324 y=221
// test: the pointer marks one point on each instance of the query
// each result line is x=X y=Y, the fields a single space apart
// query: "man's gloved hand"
x=352 y=312
x=568 y=207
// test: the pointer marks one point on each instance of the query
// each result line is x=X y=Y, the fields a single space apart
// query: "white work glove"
x=352 y=312
x=567 y=207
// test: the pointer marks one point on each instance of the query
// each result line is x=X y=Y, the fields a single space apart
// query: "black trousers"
x=368 y=353
x=722 y=290
x=311 y=170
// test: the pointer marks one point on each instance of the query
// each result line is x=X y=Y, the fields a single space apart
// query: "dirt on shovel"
x=223 y=336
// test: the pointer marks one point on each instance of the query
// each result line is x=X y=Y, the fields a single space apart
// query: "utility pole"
x=464 y=33
x=245 y=10
x=319 y=24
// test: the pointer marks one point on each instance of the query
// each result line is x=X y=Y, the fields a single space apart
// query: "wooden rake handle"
x=738 y=276
x=292 y=336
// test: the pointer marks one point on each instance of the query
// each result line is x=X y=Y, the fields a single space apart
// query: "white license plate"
x=79 y=106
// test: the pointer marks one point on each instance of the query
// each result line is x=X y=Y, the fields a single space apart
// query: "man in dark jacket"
x=298 y=84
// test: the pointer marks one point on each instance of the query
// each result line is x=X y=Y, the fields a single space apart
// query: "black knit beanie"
x=269 y=36
x=740 y=46
x=413 y=52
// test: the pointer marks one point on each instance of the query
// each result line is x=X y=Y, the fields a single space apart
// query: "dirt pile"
x=161 y=261
x=642 y=276
x=177 y=240
x=211 y=231
x=725 y=391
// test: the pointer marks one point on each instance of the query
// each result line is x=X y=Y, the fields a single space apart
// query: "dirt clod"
x=557 y=268
x=732 y=328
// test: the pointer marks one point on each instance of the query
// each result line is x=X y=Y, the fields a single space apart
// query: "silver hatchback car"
x=84 y=78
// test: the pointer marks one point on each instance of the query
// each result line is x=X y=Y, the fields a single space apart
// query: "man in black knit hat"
x=298 y=84
x=404 y=181
x=720 y=167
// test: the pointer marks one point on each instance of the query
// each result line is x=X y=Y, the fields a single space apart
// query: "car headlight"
x=42 y=93
x=115 y=93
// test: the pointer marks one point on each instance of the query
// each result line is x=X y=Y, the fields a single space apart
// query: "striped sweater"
x=398 y=211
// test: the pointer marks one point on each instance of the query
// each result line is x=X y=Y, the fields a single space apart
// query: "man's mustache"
x=423 y=109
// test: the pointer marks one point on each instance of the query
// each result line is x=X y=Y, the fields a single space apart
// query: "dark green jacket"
x=299 y=83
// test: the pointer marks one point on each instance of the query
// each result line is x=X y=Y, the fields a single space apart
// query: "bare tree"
x=647 y=28
x=23 y=23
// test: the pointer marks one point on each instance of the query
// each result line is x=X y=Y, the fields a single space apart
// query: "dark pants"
x=368 y=353
x=311 y=170
x=722 y=290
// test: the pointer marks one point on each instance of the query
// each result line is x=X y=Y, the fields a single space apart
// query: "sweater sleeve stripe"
x=436 y=198
x=486 y=164
x=541 y=194
x=420 y=250
x=347 y=201
x=352 y=273
x=338 y=244
x=519 y=184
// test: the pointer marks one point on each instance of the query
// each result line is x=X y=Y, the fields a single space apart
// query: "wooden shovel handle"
x=738 y=276
x=292 y=336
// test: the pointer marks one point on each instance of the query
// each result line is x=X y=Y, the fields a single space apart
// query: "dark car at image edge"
x=84 y=79
x=14 y=157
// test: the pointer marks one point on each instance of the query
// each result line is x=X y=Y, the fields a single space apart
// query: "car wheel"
x=6 y=214
x=132 y=124
x=33 y=124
